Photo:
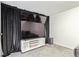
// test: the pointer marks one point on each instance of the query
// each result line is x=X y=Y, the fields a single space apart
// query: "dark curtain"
x=17 y=29
x=47 y=29
x=10 y=23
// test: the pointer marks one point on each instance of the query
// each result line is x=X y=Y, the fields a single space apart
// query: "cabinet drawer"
x=33 y=43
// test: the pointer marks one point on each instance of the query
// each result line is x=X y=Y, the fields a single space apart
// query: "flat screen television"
x=32 y=30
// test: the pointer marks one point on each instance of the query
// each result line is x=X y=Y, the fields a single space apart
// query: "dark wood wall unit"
x=11 y=17
x=26 y=11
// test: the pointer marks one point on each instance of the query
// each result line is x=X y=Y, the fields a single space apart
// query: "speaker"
x=76 y=52
x=50 y=41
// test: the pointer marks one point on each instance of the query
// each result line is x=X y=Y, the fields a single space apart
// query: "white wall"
x=65 y=28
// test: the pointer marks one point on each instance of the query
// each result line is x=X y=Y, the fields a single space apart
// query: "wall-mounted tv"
x=32 y=30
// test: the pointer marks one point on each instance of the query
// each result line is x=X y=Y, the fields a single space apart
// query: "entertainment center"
x=22 y=30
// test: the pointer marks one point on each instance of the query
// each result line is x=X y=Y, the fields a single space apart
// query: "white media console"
x=29 y=44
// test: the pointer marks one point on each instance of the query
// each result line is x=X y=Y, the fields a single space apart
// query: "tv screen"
x=32 y=30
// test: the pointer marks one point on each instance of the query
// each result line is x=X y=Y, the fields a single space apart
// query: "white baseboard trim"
x=63 y=45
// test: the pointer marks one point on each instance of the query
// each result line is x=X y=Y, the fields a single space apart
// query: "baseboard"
x=64 y=45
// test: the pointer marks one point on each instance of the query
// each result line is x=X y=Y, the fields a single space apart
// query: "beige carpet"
x=46 y=51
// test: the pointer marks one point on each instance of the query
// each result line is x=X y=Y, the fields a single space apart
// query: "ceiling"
x=44 y=7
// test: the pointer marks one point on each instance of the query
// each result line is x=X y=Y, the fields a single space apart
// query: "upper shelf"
x=30 y=17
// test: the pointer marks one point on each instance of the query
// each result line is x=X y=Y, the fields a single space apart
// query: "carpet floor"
x=46 y=51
